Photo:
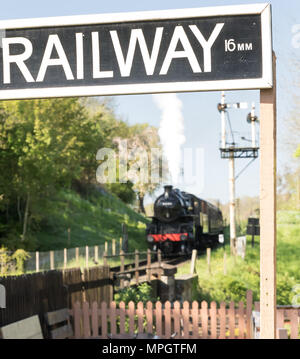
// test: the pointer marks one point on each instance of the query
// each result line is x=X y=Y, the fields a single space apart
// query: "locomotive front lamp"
x=150 y=239
x=183 y=237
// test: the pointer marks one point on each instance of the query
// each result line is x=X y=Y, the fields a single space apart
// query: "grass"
x=244 y=274
x=91 y=221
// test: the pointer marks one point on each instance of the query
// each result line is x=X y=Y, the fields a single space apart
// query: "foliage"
x=48 y=147
x=20 y=257
x=12 y=263
x=5 y=260
x=142 y=293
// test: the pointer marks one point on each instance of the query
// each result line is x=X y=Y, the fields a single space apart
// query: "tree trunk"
x=25 y=218
x=141 y=203
x=19 y=209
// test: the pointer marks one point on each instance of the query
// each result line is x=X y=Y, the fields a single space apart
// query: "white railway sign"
x=158 y=51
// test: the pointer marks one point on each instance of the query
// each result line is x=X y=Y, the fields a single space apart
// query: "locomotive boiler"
x=183 y=222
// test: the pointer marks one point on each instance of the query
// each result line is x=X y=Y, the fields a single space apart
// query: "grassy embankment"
x=92 y=221
x=244 y=274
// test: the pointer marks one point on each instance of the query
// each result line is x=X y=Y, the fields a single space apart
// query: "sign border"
x=266 y=81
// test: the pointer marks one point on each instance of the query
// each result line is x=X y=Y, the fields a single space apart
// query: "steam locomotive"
x=183 y=222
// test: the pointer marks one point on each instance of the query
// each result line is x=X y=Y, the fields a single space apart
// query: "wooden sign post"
x=268 y=210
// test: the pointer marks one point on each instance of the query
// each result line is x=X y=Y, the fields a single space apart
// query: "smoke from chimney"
x=171 y=131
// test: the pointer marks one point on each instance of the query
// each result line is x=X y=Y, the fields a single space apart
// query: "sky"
x=200 y=116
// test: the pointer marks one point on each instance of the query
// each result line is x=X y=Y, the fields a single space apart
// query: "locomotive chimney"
x=168 y=189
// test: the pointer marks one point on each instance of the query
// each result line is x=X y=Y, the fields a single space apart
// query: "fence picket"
x=158 y=318
x=213 y=320
x=122 y=317
x=280 y=318
x=231 y=320
x=204 y=320
x=104 y=320
x=195 y=319
x=186 y=319
x=149 y=317
x=140 y=314
x=241 y=313
x=95 y=319
x=167 y=320
x=249 y=301
x=86 y=320
x=222 y=312
x=176 y=316
x=293 y=316
x=113 y=318
x=131 y=317
x=77 y=320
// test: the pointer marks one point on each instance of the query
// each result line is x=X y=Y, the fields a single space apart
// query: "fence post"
x=122 y=257
x=96 y=255
x=105 y=247
x=77 y=255
x=136 y=266
x=113 y=247
x=193 y=261
x=51 y=260
x=125 y=237
x=159 y=262
x=121 y=244
x=148 y=265
x=37 y=261
x=86 y=256
x=65 y=258
x=105 y=258
x=208 y=251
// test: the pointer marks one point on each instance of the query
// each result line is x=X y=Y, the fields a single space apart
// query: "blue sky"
x=201 y=118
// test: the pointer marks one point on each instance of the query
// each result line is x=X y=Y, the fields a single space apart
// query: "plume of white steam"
x=171 y=131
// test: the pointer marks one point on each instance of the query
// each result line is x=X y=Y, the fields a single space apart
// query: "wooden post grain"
x=268 y=210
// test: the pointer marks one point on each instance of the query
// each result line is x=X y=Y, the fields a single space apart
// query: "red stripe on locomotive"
x=173 y=237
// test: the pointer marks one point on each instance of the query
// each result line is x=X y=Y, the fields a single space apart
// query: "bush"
x=142 y=293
